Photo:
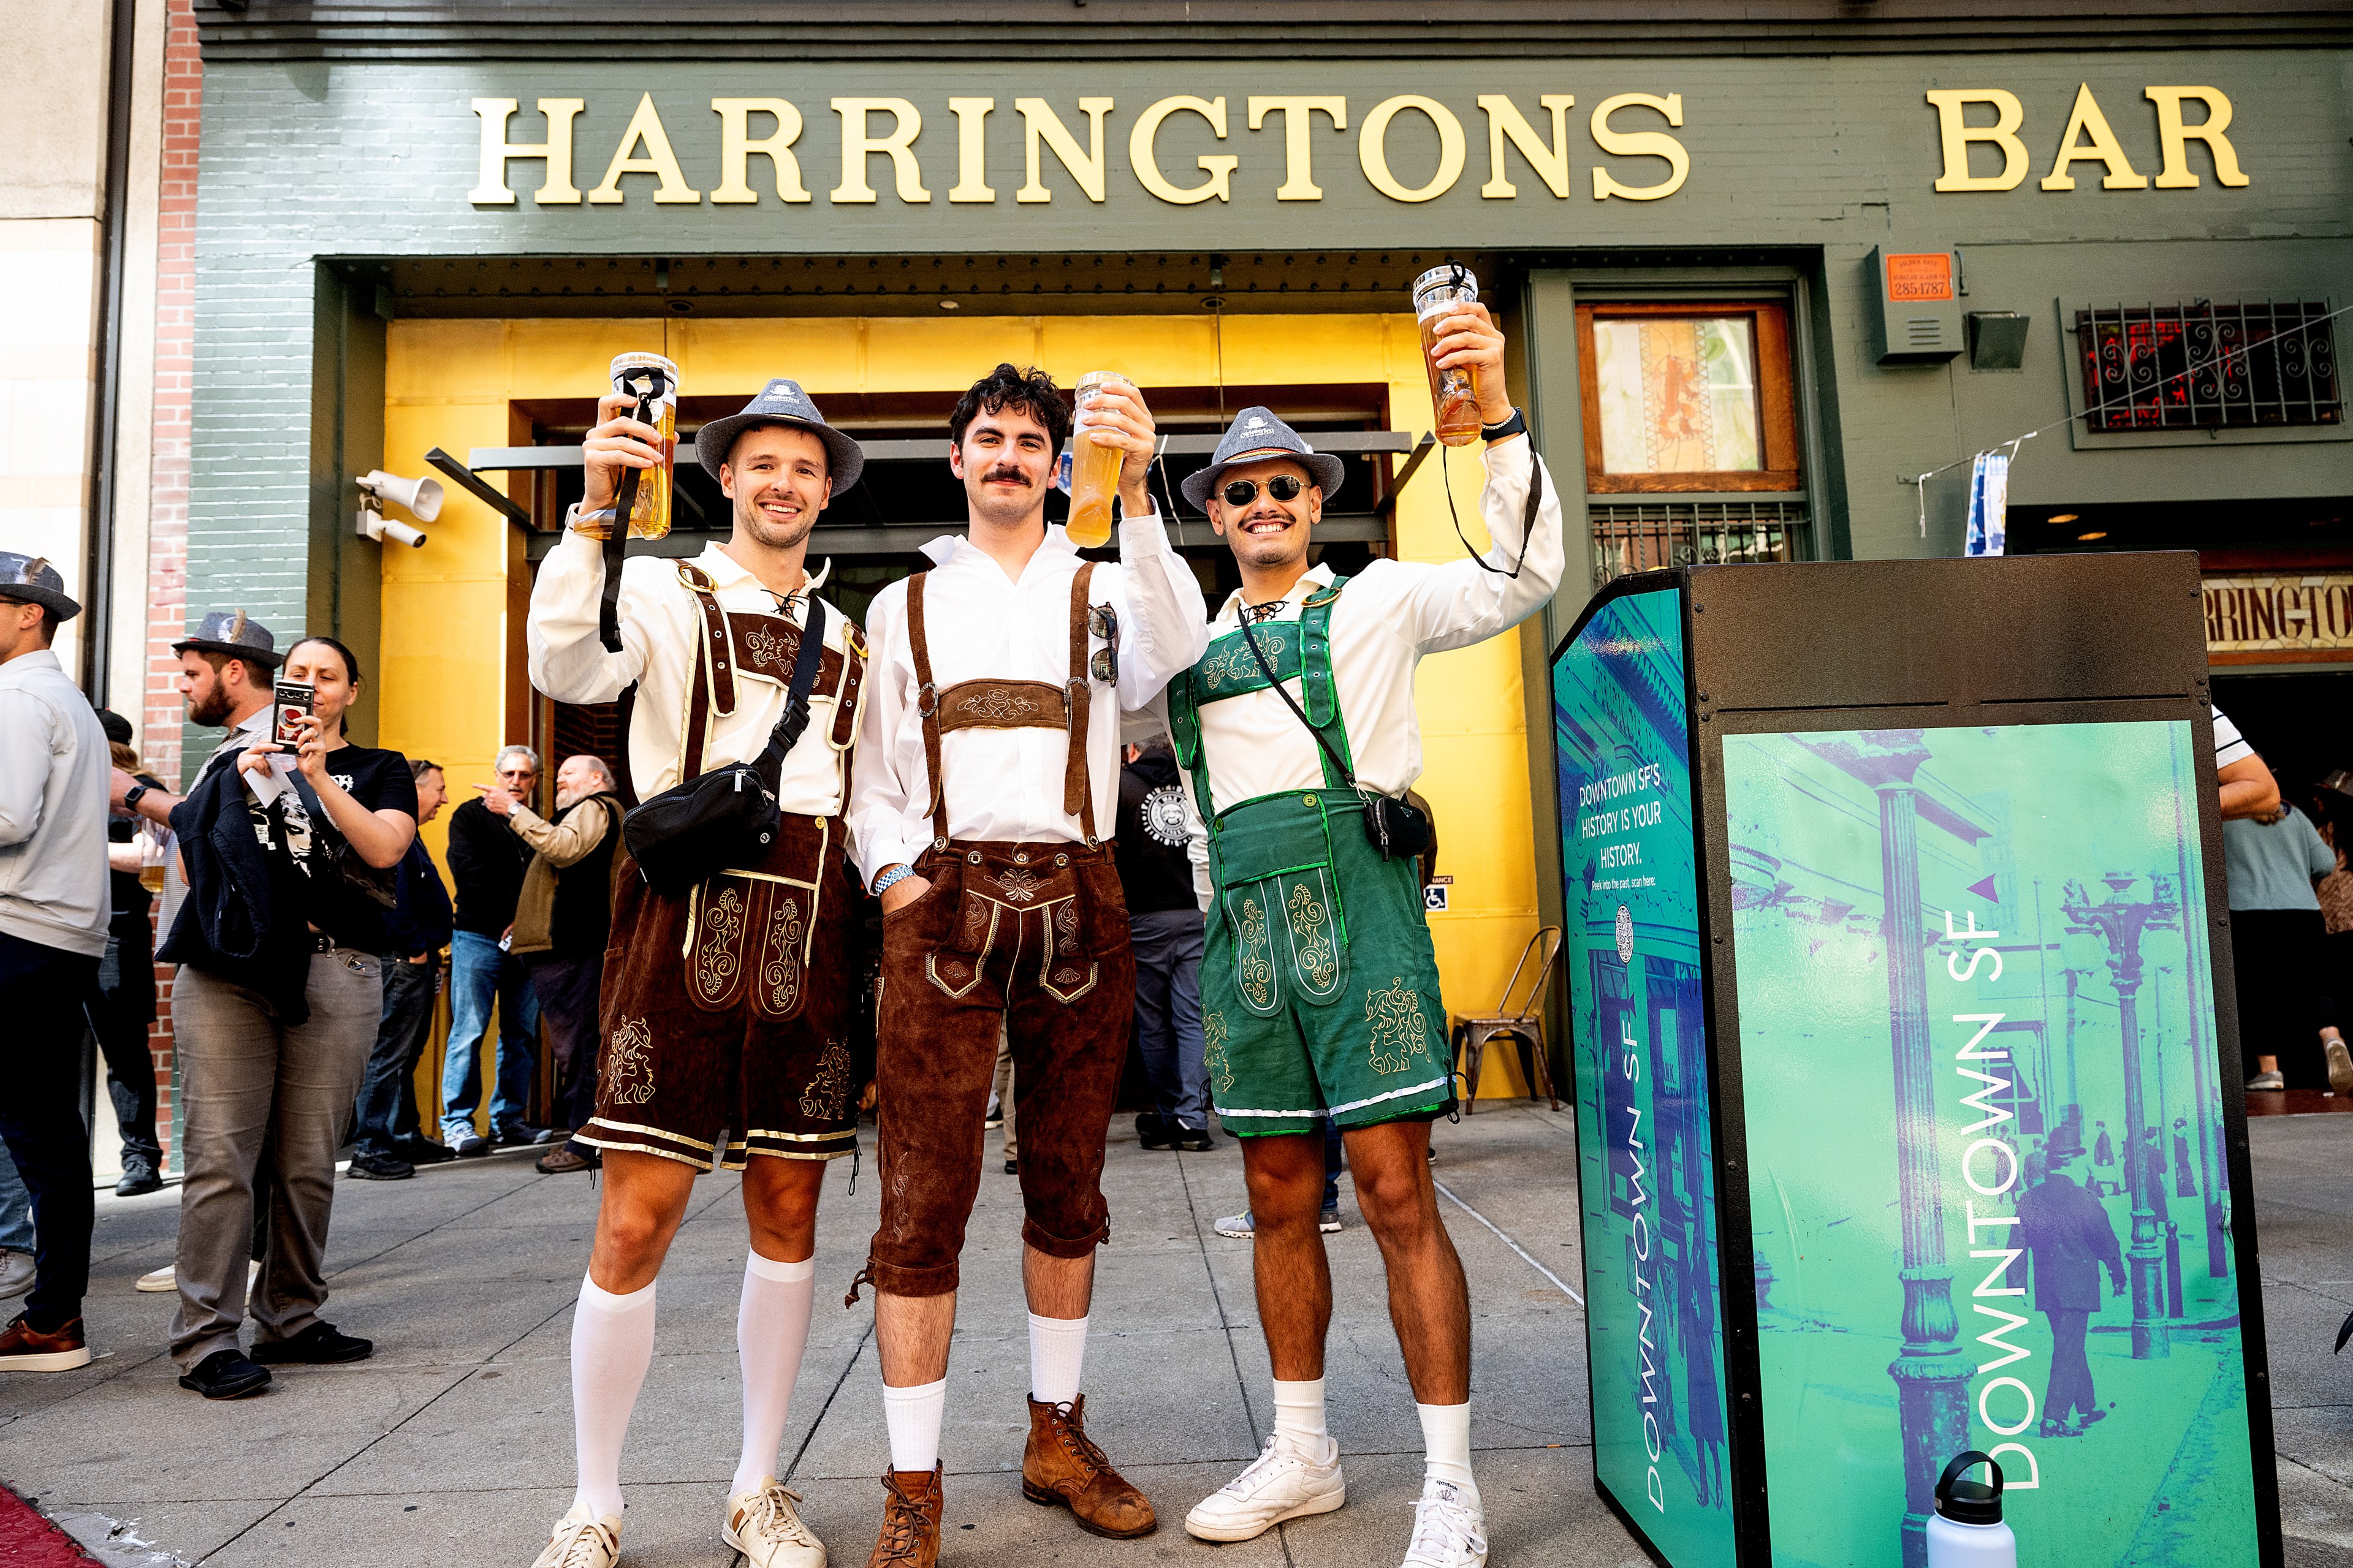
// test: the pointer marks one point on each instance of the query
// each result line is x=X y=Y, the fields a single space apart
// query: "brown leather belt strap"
x=713 y=657
x=927 y=706
x=1077 y=798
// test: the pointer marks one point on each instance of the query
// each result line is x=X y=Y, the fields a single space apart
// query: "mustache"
x=1016 y=475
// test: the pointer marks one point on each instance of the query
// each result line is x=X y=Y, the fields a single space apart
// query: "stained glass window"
x=1678 y=395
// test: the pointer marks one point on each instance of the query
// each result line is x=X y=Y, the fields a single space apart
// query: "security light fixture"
x=421 y=498
x=1997 y=339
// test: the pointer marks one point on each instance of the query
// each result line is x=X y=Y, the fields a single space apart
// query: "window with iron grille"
x=1646 y=536
x=2204 y=366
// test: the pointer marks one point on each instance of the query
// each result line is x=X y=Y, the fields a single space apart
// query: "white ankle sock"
x=1446 y=1438
x=913 y=1416
x=1058 y=1350
x=1299 y=1416
x=771 y=1328
x=612 y=1345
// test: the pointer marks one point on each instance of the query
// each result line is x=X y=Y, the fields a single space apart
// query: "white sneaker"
x=2267 y=1081
x=1450 y=1531
x=165 y=1278
x=765 y=1527
x=1280 y=1484
x=582 y=1541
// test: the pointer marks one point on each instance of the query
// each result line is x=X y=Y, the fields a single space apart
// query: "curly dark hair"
x=1032 y=391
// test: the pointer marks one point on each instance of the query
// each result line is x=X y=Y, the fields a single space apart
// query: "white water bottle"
x=1966 y=1530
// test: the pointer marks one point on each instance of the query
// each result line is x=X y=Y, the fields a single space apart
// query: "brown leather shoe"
x=911 y=1521
x=1064 y=1466
x=24 y=1347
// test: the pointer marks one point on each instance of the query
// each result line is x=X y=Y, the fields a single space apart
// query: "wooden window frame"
x=1776 y=399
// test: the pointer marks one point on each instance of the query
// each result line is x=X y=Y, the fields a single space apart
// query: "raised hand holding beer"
x=1467 y=340
x=1112 y=416
x=616 y=443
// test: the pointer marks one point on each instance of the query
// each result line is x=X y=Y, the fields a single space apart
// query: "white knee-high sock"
x=612 y=1345
x=913 y=1415
x=1058 y=1353
x=1299 y=1418
x=1446 y=1441
x=772 y=1328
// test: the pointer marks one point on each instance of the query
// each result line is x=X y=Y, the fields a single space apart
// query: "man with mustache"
x=729 y=1005
x=987 y=781
x=1319 y=987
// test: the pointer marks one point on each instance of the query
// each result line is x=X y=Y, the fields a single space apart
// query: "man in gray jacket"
x=54 y=908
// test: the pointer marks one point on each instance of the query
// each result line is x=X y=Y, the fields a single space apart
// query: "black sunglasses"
x=1282 y=487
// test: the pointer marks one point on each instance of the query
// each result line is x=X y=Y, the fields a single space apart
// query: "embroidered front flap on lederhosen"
x=997 y=897
x=750 y=929
x=1270 y=858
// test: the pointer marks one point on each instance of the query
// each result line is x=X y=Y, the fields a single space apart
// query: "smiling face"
x=777 y=479
x=1267 y=532
x=1006 y=463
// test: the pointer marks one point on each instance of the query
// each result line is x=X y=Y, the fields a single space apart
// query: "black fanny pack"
x=726 y=817
x=1392 y=825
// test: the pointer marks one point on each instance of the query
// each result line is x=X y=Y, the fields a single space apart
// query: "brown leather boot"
x=1064 y=1466
x=911 y=1521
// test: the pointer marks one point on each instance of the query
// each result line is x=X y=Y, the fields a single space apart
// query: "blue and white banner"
x=1988 y=502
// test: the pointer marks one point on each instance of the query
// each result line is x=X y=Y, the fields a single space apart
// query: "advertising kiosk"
x=1907 y=1080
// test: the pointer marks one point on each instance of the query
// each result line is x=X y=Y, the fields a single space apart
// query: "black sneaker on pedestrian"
x=139 y=1175
x=518 y=1137
x=1195 y=1139
x=226 y=1375
x=473 y=1146
x=318 y=1345
x=423 y=1151
x=379 y=1168
x=1012 y=1167
x=1154 y=1132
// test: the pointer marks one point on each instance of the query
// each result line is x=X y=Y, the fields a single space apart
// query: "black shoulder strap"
x=649 y=384
x=794 y=719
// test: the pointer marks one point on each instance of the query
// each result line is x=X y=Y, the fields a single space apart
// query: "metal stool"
x=1524 y=1024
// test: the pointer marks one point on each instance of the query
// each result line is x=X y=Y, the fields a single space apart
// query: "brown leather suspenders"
x=1006 y=705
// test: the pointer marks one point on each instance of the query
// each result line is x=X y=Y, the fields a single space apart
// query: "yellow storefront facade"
x=452 y=683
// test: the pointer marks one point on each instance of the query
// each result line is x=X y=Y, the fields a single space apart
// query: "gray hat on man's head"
x=230 y=632
x=782 y=402
x=31 y=580
x=1255 y=436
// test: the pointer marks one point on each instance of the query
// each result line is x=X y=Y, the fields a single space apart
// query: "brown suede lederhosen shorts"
x=730 y=1010
x=1036 y=935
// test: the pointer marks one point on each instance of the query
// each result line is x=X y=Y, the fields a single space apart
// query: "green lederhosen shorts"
x=1319 y=987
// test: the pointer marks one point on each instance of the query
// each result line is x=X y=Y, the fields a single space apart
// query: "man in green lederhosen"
x=1319 y=989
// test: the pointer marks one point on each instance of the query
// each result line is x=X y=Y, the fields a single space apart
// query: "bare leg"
x=780 y=1200
x=1430 y=1302
x=1285 y=1175
x=643 y=1204
x=1057 y=1287
x=913 y=1333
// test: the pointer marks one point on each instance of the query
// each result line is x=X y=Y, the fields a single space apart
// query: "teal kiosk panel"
x=1907 y=1099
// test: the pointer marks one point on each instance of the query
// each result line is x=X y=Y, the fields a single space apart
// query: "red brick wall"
x=167 y=521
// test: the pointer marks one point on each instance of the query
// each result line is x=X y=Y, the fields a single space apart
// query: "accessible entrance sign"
x=1908 y=1117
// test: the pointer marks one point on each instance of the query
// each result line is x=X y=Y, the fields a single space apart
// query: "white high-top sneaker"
x=766 y=1529
x=582 y=1541
x=1280 y=1484
x=1449 y=1529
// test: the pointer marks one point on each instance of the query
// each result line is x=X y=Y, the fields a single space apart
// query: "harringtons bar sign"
x=2286 y=617
x=1630 y=155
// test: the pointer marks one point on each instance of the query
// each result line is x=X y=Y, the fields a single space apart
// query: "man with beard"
x=731 y=1005
x=226 y=665
x=986 y=771
x=1319 y=987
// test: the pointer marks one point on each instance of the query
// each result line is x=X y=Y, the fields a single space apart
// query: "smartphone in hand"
x=295 y=701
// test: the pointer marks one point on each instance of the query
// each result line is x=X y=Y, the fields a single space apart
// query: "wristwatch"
x=1517 y=425
x=131 y=796
x=895 y=873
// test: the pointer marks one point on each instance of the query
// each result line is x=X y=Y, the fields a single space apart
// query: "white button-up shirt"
x=661 y=642
x=979 y=624
x=1388 y=617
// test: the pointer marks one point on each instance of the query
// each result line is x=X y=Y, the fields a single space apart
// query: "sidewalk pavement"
x=453 y=1443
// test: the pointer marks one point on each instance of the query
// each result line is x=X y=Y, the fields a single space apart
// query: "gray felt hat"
x=230 y=632
x=782 y=402
x=1257 y=434
x=31 y=580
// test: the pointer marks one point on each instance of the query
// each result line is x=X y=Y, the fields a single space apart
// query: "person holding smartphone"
x=266 y=1061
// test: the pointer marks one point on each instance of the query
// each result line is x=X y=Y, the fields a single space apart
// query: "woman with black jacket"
x=289 y=856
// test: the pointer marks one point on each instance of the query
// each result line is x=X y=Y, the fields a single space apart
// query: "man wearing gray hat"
x=226 y=665
x=54 y=908
x=1319 y=987
x=726 y=1004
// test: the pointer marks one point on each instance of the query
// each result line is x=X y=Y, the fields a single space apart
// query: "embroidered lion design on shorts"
x=628 y=1063
x=1400 y=1034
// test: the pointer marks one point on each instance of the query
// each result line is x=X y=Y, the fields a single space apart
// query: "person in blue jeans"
x=487 y=861
x=389 y=1148
x=15 y=1231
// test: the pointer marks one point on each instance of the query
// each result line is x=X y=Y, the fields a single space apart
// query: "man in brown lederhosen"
x=986 y=790
x=728 y=1005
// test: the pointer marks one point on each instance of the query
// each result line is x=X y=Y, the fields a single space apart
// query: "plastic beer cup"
x=649 y=517
x=1094 y=467
x=1453 y=394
